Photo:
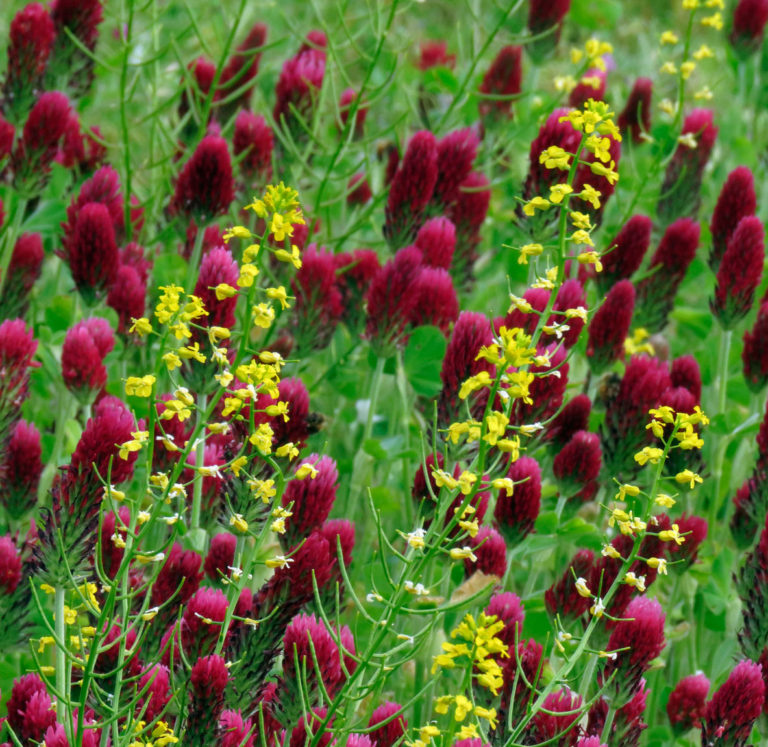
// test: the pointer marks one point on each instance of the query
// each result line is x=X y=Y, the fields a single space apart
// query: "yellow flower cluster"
x=161 y=736
x=477 y=649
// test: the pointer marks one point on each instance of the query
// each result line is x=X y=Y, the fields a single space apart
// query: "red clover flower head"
x=687 y=702
x=502 y=79
x=636 y=116
x=436 y=240
x=737 y=200
x=610 y=325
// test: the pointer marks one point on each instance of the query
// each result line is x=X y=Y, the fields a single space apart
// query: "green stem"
x=375 y=390
x=608 y=724
x=197 y=494
x=722 y=401
x=194 y=258
x=62 y=675
x=6 y=248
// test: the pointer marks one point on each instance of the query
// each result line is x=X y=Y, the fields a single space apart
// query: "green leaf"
x=169 y=268
x=373 y=447
x=60 y=313
x=423 y=360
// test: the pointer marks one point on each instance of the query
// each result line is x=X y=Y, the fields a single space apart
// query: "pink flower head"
x=354 y=273
x=436 y=240
x=390 y=301
x=30 y=39
x=253 y=140
x=610 y=325
x=81 y=150
x=456 y=153
x=578 y=462
x=348 y=102
x=685 y=372
x=682 y=179
x=217 y=266
x=735 y=707
x=30 y=709
x=294 y=392
x=749 y=19
x=159 y=692
x=315 y=41
x=509 y=609
x=359 y=740
x=82 y=356
x=318 y=299
x=491 y=551
x=201 y=622
x=573 y=417
x=435 y=54
x=20 y=469
x=297 y=91
x=179 y=578
x=340 y=531
x=502 y=79
x=737 y=200
x=221 y=556
x=695 y=529
x=656 y=293
x=515 y=515
x=586 y=89
x=641 y=634
x=754 y=354
x=739 y=273
x=310 y=729
x=471 y=332
x=127 y=296
x=391 y=732
x=17 y=347
x=546 y=726
x=358 y=189
x=411 y=190
x=312 y=498
x=235 y=730
x=570 y=295
x=10 y=565
x=468 y=214
x=37 y=148
x=562 y=598
x=626 y=252
x=237 y=78
x=435 y=299
x=687 y=702
x=93 y=257
x=590 y=742
x=205 y=188
x=636 y=116
x=207 y=682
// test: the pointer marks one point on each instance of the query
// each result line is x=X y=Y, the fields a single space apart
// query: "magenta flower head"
x=221 y=556
x=737 y=200
x=297 y=92
x=311 y=729
x=546 y=17
x=743 y=525
x=310 y=499
x=578 y=462
x=562 y=598
x=103 y=187
x=354 y=273
x=30 y=710
x=470 y=333
x=748 y=26
x=545 y=726
x=81 y=19
x=590 y=742
x=436 y=240
x=687 y=703
x=685 y=372
x=509 y=609
x=695 y=529
x=754 y=354
x=359 y=740
x=205 y=188
x=456 y=152
x=158 y=694
x=17 y=347
x=656 y=293
x=347 y=103
x=358 y=189
x=491 y=552
x=740 y=273
x=237 y=78
x=573 y=417
x=30 y=39
x=682 y=180
x=435 y=299
x=609 y=327
x=23 y=271
x=127 y=296
x=235 y=730
x=641 y=634
x=468 y=214
x=635 y=119
x=390 y=301
x=253 y=144
x=37 y=148
x=82 y=357
x=515 y=514
x=80 y=150
x=433 y=53
x=586 y=177
x=201 y=622
x=112 y=540
x=178 y=579
x=207 y=682
x=391 y=732
x=411 y=190
x=626 y=252
x=547 y=388
x=502 y=82
x=318 y=307
x=201 y=73
x=752 y=585
x=92 y=252
x=735 y=707
x=10 y=565
x=20 y=469
x=591 y=86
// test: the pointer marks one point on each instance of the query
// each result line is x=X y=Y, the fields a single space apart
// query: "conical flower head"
x=627 y=250
x=636 y=116
x=543 y=16
x=207 y=682
x=740 y=273
x=23 y=271
x=436 y=240
x=687 y=702
x=502 y=79
x=79 y=19
x=311 y=497
x=546 y=726
x=737 y=200
x=436 y=302
x=562 y=597
x=456 y=153
x=610 y=325
x=20 y=470
x=394 y=730
x=748 y=27
x=253 y=144
x=127 y=296
x=515 y=515
x=573 y=417
x=237 y=78
x=93 y=257
x=491 y=551
x=468 y=214
x=754 y=354
x=735 y=707
x=297 y=92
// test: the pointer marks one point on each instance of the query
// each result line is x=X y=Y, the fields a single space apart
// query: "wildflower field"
x=383 y=373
